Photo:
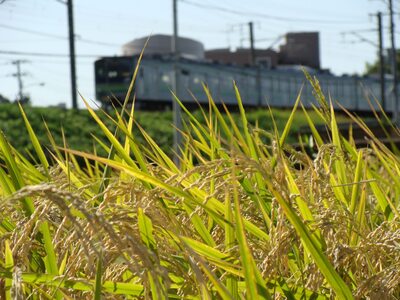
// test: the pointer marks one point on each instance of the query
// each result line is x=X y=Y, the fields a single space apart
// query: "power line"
x=262 y=15
x=51 y=61
x=48 y=54
x=97 y=42
x=25 y=30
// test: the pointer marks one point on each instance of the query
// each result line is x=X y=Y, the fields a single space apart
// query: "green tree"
x=373 y=68
x=4 y=99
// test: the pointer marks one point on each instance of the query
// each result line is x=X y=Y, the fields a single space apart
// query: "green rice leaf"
x=146 y=229
x=35 y=142
x=115 y=288
x=254 y=288
x=289 y=122
x=9 y=266
x=98 y=280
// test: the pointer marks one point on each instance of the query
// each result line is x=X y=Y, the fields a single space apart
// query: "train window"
x=227 y=81
x=112 y=74
x=198 y=78
x=126 y=76
x=251 y=81
x=264 y=62
x=214 y=81
x=165 y=78
x=100 y=78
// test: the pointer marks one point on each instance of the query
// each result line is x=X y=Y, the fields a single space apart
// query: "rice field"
x=244 y=216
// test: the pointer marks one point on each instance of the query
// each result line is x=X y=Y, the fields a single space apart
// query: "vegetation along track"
x=237 y=220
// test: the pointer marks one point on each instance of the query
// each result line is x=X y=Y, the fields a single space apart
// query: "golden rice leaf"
x=336 y=282
x=289 y=122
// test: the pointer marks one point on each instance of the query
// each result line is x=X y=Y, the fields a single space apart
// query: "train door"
x=184 y=79
x=252 y=90
x=151 y=81
x=141 y=86
x=164 y=84
x=197 y=79
x=213 y=83
x=284 y=90
x=266 y=90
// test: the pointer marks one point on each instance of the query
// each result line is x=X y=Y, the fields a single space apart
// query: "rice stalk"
x=245 y=216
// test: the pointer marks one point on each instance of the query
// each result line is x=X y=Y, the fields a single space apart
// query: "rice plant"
x=240 y=218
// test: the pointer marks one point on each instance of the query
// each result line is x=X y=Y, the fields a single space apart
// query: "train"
x=259 y=86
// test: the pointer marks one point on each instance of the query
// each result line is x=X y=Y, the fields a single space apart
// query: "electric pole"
x=381 y=61
x=254 y=63
x=394 y=65
x=253 y=51
x=72 y=54
x=19 y=76
x=177 y=119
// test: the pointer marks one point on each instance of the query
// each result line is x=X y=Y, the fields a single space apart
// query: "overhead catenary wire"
x=262 y=15
x=360 y=38
x=121 y=16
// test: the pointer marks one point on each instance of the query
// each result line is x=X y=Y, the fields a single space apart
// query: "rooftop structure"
x=162 y=44
x=242 y=56
x=300 y=48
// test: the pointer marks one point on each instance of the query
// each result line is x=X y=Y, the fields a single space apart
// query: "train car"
x=258 y=86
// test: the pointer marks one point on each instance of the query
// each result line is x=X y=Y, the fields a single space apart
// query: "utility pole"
x=254 y=63
x=19 y=76
x=394 y=65
x=381 y=61
x=253 y=51
x=72 y=54
x=177 y=119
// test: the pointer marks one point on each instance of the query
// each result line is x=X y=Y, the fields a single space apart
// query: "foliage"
x=76 y=125
x=79 y=128
x=4 y=99
x=240 y=218
x=373 y=68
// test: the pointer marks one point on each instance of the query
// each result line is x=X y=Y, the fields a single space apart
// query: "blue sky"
x=40 y=26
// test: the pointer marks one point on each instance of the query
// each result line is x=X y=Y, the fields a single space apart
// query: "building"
x=301 y=48
x=161 y=44
x=243 y=57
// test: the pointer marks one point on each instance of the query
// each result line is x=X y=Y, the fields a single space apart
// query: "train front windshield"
x=112 y=76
